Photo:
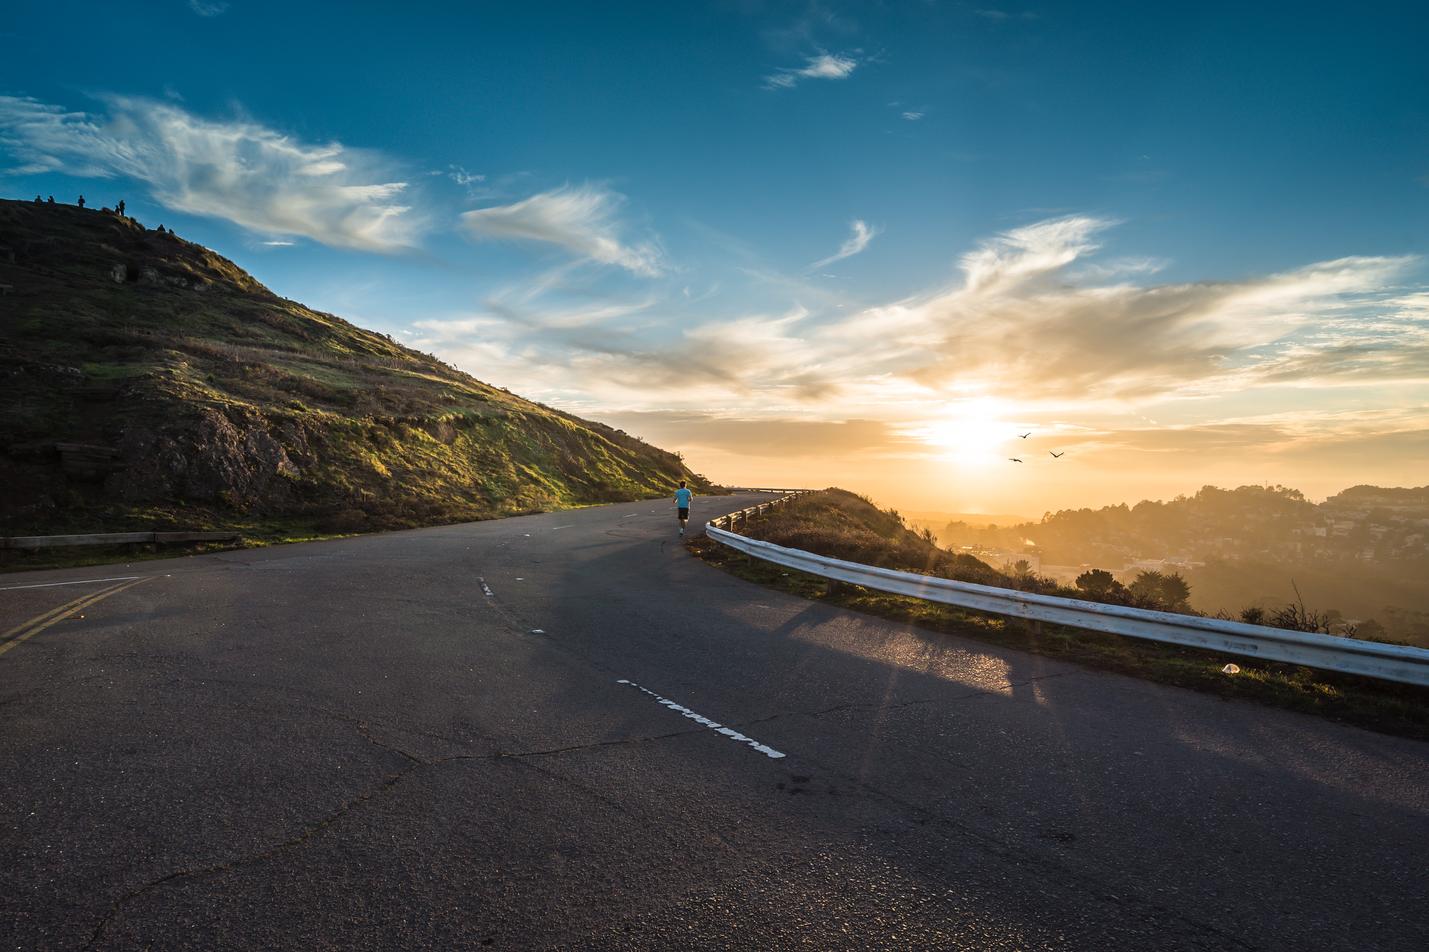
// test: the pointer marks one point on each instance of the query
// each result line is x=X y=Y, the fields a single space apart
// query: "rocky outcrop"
x=86 y=461
x=213 y=459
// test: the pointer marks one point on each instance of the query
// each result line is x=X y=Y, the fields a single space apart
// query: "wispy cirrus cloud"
x=1002 y=16
x=208 y=8
x=238 y=170
x=584 y=220
x=822 y=66
x=855 y=243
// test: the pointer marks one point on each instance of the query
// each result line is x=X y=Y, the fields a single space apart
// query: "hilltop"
x=148 y=382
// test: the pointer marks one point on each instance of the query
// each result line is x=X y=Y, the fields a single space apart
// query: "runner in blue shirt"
x=682 y=503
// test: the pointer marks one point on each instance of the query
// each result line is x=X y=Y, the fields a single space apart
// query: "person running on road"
x=682 y=504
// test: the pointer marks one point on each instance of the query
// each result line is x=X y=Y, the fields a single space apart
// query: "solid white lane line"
x=718 y=728
x=486 y=589
x=83 y=581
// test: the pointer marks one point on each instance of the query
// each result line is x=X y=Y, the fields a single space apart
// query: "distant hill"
x=937 y=520
x=147 y=382
x=1363 y=552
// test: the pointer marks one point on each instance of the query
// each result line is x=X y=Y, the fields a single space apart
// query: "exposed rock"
x=212 y=460
x=86 y=461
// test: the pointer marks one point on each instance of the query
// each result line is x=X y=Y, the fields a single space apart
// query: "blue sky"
x=808 y=240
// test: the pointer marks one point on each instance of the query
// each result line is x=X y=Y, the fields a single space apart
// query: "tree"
x=1099 y=583
x=1175 y=591
x=1022 y=568
x=1371 y=630
x=1147 y=587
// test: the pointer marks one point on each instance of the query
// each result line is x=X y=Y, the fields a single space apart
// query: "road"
x=352 y=745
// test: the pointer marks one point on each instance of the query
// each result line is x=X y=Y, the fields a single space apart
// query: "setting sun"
x=971 y=433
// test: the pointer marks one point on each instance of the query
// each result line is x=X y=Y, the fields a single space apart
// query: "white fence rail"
x=1327 y=652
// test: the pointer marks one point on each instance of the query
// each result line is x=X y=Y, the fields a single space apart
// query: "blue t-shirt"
x=683 y=497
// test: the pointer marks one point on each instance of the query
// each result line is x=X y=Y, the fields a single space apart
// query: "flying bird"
x=1023 y=436
x=1013 y=459
x=1058 y=455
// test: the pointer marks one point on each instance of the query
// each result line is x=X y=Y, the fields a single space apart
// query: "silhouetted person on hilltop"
x=37 y=200
x=81 y=201
x=160 y=229
x=51 y=200
x=120 y=207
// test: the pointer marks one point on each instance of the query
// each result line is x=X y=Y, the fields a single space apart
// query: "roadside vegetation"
x=843 y=525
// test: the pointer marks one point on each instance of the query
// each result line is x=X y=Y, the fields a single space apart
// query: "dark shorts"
x=685 y=513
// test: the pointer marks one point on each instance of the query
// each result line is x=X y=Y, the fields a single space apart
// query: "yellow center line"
x=33 y=627
x=52 y=612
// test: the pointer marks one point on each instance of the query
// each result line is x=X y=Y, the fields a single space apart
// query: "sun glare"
x=974 y=433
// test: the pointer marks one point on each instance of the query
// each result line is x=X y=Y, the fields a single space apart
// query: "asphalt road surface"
x=563 y=731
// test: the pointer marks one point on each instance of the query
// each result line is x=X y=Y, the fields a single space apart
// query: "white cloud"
x=581 y=219
x=208 y=8
x=462 y=177
x=856 y=242
x=1028 y=321
x=1021 y=324
x=823 y=66
x=237 y=170
x=912 y=116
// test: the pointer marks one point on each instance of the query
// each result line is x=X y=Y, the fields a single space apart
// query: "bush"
x=1099 y=585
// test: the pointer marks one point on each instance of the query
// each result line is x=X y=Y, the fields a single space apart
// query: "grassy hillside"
x=843 y=525
x=150 y=383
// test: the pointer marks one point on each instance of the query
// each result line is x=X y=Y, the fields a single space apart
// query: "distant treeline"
x=1360 y=558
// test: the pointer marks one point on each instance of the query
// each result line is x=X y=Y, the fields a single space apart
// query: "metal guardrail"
x=1327 y=652
x=111 y=538
x=738 y=518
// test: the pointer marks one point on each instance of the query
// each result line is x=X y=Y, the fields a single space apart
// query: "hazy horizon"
x=824 y=244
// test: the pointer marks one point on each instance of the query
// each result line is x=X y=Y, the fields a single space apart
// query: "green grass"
x=838 y=524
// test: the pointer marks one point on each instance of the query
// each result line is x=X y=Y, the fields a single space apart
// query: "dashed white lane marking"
x=83 y=581
x=538 y=631
x=566 y=526
x=486 y=589
x=718 y=728
x=632 y=515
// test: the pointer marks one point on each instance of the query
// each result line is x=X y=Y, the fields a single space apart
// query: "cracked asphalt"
x=348 y=745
